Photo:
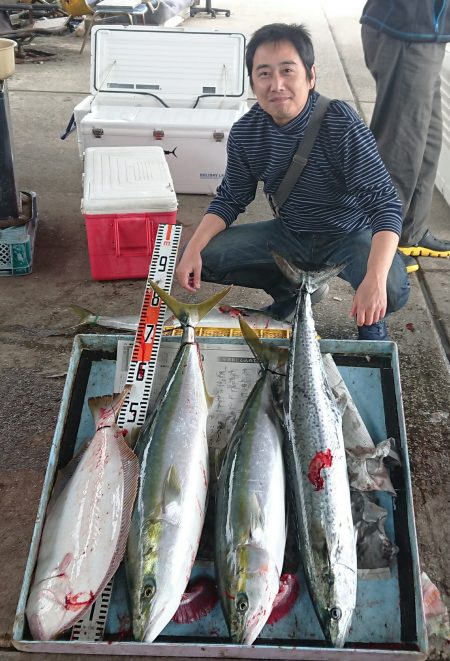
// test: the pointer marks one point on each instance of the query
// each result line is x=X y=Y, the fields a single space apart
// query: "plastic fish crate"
x=17 y=245
x=388 y=622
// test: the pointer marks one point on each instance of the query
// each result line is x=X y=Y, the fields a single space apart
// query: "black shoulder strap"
x=300 y=158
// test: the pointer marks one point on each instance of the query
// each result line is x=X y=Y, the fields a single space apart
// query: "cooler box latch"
x=158 y=134
x=218 y=136
x=97 y=133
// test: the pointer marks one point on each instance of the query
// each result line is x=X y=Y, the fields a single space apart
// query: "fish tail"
x=189 y=314
x=105 y=409
x=269 y=355
x=85 y=316
x=306 y=280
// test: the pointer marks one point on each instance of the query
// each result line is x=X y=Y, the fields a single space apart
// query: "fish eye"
x=241 y=602
x=149 y=590
x=335 y=613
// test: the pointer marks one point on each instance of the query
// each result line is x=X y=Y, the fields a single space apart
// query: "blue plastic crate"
x=17 y=244
x=388 y=623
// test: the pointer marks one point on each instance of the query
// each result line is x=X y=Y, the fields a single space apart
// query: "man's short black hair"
x=274 y=33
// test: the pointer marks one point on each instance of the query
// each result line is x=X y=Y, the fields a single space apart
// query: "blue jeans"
x=241 y=255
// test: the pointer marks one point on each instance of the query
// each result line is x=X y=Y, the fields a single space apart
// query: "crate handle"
x=148 y=237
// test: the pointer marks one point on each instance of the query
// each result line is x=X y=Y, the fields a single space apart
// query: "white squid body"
x=85 y=531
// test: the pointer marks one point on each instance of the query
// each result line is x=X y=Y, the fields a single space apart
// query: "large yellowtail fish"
x=86 y=528
x=170 y=507
x=317 y=468
x=250 y=519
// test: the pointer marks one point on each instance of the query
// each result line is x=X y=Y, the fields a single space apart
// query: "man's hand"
x=189 y=269
x=370 y=299
x=369 y=302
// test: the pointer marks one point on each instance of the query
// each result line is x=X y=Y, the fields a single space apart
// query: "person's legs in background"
x=407 y=125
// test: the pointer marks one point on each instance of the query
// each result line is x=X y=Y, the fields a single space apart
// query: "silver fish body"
x=316 y=463
x=225 y=316
x=250 y=520
x=85 y=530
x=170 y=507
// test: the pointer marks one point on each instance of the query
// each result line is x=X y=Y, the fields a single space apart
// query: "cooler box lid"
x=126 y=180
x=177 y=66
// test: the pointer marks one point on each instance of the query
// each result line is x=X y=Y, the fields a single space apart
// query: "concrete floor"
x=36 y=326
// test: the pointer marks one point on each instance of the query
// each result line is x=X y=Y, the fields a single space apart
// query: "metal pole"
x=10 y=206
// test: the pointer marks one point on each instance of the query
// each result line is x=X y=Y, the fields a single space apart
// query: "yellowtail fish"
x=250 y=517
x=170 y=507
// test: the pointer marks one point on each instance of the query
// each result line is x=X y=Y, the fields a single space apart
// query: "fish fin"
x=307 y=280
x=219 y=460
x=130 y=467
x=269 y=355
x=133 y=436
x=256 y=517
x=85 y=316
x=105 y=409
x=189 y=314
x=341 y=402
x=171 y=489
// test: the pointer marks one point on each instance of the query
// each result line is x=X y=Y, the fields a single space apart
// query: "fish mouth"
x=155 y=624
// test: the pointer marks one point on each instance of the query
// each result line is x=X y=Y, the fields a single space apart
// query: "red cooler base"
x=121 y=245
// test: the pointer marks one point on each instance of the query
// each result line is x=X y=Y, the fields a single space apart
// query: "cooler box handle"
x=133 y=235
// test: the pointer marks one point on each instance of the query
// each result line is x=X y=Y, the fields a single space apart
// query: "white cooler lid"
x=176 y=65
x=126 y=180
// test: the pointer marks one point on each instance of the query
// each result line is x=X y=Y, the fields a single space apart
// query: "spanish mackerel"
x=86 y=527
x=317 y=466
x=170 y=507
x=250 y=518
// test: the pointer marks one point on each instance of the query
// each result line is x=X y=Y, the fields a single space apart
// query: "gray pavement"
x=36 y=326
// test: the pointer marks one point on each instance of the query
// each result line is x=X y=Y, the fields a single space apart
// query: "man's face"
x=280 y=82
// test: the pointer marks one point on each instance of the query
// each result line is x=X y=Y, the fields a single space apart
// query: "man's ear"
x=312 y=81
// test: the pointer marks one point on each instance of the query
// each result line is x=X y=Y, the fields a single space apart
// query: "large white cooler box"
x=177 y=89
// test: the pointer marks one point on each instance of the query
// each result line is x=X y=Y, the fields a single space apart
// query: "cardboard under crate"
x=388 y=621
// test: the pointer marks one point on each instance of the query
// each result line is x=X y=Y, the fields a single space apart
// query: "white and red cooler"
x=176 y=88
x=127 y=193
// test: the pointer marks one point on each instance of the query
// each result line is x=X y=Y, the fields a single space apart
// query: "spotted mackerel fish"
x=170 y=506
x=250 y=514
x=317 y=469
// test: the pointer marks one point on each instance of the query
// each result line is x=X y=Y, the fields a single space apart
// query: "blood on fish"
x=199 y=599
x=285 y=599
x=75 y=601
x=318 y=462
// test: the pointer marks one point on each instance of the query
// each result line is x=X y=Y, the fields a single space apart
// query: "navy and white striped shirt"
x=344 y=186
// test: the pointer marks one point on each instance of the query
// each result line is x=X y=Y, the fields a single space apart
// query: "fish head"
x=157 y=594
x=337 y=616
x=251 y=585
x=46 y=608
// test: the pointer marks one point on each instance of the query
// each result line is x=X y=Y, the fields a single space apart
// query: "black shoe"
x=428 y=246
x=284 y=310
x=410 y=263
x=377 y=331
